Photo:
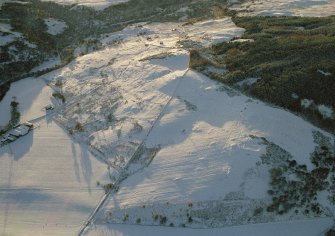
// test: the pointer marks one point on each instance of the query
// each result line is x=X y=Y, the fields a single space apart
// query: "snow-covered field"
x=315 y=8
x=136 y=100
x=188 y=145
x=305 y=228
x=96 y=4
x=47 y=182
x=206 y=148
x=32 y=95
x=207 y=157
x=118 y=93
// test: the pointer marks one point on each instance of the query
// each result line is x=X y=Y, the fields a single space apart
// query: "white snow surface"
x=306 y=103
x=209 y=32
x=32 y=94
x=324 y=73
x=325 y=111
x=55 y=26
x=47 y=181
x=138 y=91
x=313 y=8
x=305 y=228
x=247 y=82
x=98 y=85
x=50 y=63
x=8 y=35
x=207 y=152
x=243 y=41
x=96 y=4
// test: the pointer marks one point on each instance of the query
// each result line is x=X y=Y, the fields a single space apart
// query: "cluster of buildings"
x=20 y=129
x=16 y=132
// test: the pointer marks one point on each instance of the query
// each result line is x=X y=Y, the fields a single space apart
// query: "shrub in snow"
x=14 y=117
x=162 y=220
x=108 y=187
x=79 y=127
x=14 y=112
x=258 y=211
x=59 y=96
x=155 y=216
x=59 y=83
x=126 y=217
x=330 y=232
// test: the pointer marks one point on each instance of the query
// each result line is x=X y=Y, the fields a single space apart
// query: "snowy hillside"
x=128 y=84
x=96 y=4
x=208 y=159
x=137 y=139
x=192 y=148
x=288 y=8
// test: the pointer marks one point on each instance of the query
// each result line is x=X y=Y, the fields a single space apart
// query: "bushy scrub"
x=294 y=187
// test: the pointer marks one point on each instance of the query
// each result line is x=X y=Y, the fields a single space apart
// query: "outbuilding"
x=20 y=131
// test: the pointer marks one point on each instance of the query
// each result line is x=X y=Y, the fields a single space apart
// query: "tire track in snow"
x=8 y=185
